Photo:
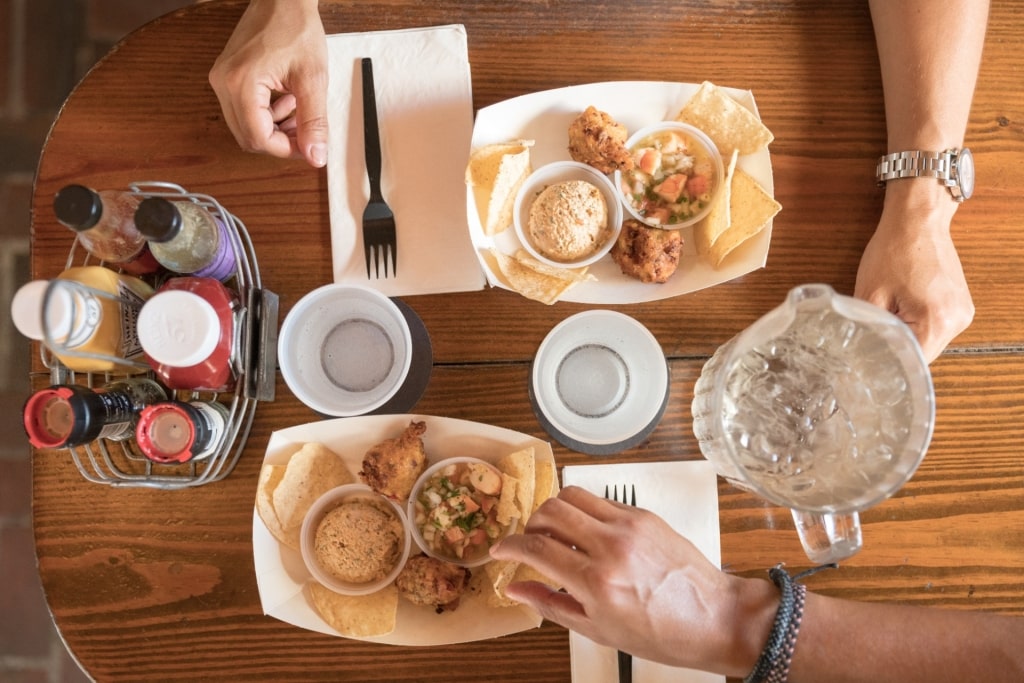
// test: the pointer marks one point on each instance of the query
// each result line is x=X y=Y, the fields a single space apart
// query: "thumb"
x=311 y=119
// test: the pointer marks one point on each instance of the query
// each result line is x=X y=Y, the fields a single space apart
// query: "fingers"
x=551 y=604
x=552 y=557
x=255 y=125
x=934 y=324
x=575 y=518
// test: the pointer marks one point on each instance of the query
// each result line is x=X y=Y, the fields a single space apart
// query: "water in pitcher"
x=818 y=417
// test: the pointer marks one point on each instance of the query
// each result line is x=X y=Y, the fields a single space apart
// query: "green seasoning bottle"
x=186 y=238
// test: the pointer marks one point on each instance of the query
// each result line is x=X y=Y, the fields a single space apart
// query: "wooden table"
x=160 y=585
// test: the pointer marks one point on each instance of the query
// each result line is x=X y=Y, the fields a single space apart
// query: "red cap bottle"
x=188 y=333
x=67 y=415
x=177 y=432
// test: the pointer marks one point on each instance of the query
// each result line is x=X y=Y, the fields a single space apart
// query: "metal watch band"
x=913 y=165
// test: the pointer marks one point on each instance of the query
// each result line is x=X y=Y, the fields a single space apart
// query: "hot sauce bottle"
x=67 y=415
x=187 y=331
x=186 y=238
x=86 y=317
x=105 y=224
x=179 y=431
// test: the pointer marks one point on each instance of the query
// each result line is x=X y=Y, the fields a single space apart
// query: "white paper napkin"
x=684 y=494
x=425 y=109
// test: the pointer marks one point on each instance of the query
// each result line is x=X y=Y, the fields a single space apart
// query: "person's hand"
x=631 y=582
x=271 y=80
x=910 y=267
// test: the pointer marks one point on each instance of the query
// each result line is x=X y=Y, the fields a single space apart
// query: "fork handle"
x=371 y=133
x=625 y=667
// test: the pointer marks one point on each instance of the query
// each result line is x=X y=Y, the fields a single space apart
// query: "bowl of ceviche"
x=676 y=177
x=456 y=511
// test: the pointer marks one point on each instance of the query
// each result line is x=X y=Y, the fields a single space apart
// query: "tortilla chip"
x=270 y=477
x=536 y=280
x=523 y=466
x=750 y=208
x=507 y=509
x=727 y=122
x=311 y=472
x=500 y=573
x=709 y=228
x=546 y=483
x=509 y=573
x=495 y=173
x=357 y=615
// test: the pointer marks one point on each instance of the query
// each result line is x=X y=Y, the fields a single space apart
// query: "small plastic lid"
x=30 y=318
x=158 y=219
x=78 y=207
x=178 y=328
x=27 y=308
x=49 y=418
x=167 y=432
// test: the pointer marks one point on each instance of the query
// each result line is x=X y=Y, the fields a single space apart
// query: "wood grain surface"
x=159 y=585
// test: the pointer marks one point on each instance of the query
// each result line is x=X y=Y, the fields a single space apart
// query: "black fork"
x=379 y=239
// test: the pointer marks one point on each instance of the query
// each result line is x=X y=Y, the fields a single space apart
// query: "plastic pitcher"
x=825 y=405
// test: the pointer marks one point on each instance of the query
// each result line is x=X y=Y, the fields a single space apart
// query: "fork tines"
x=615 y=494
x=379 y=241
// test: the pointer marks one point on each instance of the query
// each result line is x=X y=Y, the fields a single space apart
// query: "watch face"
x=965 y=173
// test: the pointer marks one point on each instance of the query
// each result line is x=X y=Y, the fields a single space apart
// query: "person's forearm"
x=843 y=641
x=930 y=52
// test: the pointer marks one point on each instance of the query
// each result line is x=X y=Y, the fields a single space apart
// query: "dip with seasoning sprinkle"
x=359 y=541
x=569 y=221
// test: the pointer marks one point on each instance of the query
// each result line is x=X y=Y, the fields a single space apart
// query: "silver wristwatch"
x=954 y=168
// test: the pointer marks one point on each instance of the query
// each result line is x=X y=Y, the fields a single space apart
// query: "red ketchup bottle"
x=187 y=331
x=177 y=432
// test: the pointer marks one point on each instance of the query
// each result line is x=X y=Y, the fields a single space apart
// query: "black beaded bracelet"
x=773 y=664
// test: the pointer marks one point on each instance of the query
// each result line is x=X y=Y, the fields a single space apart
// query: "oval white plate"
x=599 y=382
x=545 y=117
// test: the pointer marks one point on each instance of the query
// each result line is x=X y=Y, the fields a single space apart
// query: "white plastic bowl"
x=328 y=502
x=344 y=350
x=599 y=377
x=417 y=534
x=552 y=174
x=700 y=138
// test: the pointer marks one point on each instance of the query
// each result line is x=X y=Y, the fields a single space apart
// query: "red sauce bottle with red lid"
x=178 y=431
x=187 y=331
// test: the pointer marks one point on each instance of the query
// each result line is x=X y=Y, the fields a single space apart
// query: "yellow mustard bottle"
x=86 y=317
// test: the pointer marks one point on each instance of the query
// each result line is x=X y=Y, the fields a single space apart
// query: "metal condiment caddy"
x=121 y=463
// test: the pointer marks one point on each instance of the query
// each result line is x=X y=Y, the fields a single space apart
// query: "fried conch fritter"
x=596 y=139
x=392 y=467
x=648 y=254
x=427 y=581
